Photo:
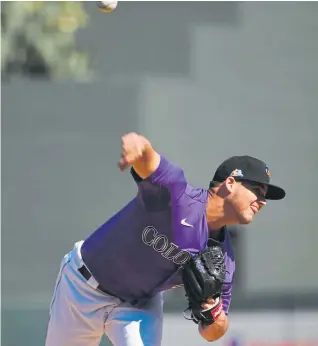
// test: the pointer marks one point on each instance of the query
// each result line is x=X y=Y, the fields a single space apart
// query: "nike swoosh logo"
x=184 y=223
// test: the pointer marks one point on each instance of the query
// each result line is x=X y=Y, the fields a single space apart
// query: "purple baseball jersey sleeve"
x=171 y=177
x=166 y=185
x=141 y=249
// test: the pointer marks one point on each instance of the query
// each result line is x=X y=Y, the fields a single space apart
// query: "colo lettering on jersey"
x=161 y=244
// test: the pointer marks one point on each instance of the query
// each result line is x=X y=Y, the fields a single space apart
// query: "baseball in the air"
x=107 y=6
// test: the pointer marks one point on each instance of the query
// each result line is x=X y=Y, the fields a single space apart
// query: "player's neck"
x=215 y=213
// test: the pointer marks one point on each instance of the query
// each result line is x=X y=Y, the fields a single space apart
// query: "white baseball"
x=107 y=6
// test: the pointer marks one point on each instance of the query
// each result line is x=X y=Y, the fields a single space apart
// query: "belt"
x=87 y=275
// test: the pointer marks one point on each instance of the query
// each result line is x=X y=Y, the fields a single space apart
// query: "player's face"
x=246 y=200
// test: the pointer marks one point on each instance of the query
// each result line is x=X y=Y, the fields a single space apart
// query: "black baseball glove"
x=203 y=277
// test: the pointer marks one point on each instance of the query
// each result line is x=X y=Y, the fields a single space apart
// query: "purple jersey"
x=140 y=250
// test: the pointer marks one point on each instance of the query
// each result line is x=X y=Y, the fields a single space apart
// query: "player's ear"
x=226 y=187
x=229 y=184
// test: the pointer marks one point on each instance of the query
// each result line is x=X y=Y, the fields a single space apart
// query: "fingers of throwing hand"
x=132 y=149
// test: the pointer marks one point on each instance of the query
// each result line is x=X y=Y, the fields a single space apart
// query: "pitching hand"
x=133 y=147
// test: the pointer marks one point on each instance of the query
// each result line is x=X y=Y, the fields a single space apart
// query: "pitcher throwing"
x=113 y=281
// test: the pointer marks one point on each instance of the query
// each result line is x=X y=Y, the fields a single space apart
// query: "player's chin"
x=246 y=218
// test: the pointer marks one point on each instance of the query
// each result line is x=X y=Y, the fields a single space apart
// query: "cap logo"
x=268 y=173
x=237 y=173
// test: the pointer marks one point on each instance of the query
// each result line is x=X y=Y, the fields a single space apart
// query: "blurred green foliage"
x=38 y=40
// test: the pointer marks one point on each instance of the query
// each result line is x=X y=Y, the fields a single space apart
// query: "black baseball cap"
x=247 y=168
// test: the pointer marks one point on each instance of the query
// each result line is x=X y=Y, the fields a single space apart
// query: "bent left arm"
x=216 y=330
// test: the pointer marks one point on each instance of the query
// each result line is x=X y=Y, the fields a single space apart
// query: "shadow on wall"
x=155 y=34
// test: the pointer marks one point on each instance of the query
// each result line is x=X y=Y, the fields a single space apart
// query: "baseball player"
x=113 y=281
